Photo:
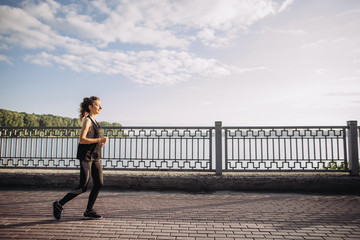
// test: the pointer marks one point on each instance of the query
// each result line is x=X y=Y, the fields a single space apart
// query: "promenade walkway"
x=27 y=214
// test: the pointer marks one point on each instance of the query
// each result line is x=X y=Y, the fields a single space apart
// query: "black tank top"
x=91 y=152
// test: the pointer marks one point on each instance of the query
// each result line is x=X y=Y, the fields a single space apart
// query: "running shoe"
x=92 y=214
x=57 y=209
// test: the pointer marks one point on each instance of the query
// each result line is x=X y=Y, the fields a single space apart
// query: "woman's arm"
x=85 y=128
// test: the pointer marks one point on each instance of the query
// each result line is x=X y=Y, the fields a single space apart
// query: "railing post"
x=218 y=147
x=353 y=148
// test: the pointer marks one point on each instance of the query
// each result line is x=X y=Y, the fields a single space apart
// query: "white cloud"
x=350 y=79
x=40 y=59
x=152 y=22
x=102 y=6
x=353 y=12
x=145 y=67
x=320 y=71
x=159 y=23
x=43 y=10
x=315 y=44
x=21 y=29
x=5 y=59
x=343 y=94
x=341 y=39
x=82 y=34
x=294 y=32
x=285 y=5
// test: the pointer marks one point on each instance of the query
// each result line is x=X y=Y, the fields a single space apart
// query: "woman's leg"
x=85 y=169
x=97 y=176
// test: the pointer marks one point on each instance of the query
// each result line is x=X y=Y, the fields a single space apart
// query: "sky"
x=184 y=62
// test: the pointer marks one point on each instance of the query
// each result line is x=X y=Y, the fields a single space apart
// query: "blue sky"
x=191 y=62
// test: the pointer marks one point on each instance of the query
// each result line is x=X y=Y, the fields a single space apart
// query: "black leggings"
x=86 y=168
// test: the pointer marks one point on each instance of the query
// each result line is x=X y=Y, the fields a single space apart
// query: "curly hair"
x=84 y=106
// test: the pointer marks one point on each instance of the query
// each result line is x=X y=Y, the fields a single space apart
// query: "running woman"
x=89 y=152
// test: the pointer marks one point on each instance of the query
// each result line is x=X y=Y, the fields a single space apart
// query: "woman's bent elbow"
x=83 y=141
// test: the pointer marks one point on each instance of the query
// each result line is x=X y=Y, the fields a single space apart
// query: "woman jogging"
x=89 y=152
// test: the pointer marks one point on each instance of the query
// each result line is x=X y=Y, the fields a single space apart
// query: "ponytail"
x=84 y=106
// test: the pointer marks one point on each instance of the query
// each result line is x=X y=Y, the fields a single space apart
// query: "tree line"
x=21 y=119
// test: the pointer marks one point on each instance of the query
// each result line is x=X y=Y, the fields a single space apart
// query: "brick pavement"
x=177 y=215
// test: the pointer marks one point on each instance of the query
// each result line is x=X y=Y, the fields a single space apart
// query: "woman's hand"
x=103 y=140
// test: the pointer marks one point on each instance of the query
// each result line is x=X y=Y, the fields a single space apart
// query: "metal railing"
x=290 y=148
x=159 y=148
x=132 y=148
x=218 y=149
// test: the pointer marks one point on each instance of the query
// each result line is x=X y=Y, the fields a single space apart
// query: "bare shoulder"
x=86 y=123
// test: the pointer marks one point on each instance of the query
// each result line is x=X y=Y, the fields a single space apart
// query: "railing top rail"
x=160 y=127
x=40 y=128
x=122 y=127
x=283 y=127
x=187 y=127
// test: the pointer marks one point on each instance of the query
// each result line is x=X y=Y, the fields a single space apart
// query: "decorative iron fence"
x=133 y=148
x=159 y=148
x=333 y=149
x=290 y=148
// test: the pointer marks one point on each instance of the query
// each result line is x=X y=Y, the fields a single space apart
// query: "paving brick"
x=166 y=238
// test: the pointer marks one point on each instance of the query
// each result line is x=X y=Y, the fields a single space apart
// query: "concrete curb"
x=193 y=182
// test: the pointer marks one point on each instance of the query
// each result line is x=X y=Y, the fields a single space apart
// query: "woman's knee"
x=84 y=189
x=78 y=190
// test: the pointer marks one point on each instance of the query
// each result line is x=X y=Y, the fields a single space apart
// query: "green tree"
x=16 y=119
x=30 y=120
